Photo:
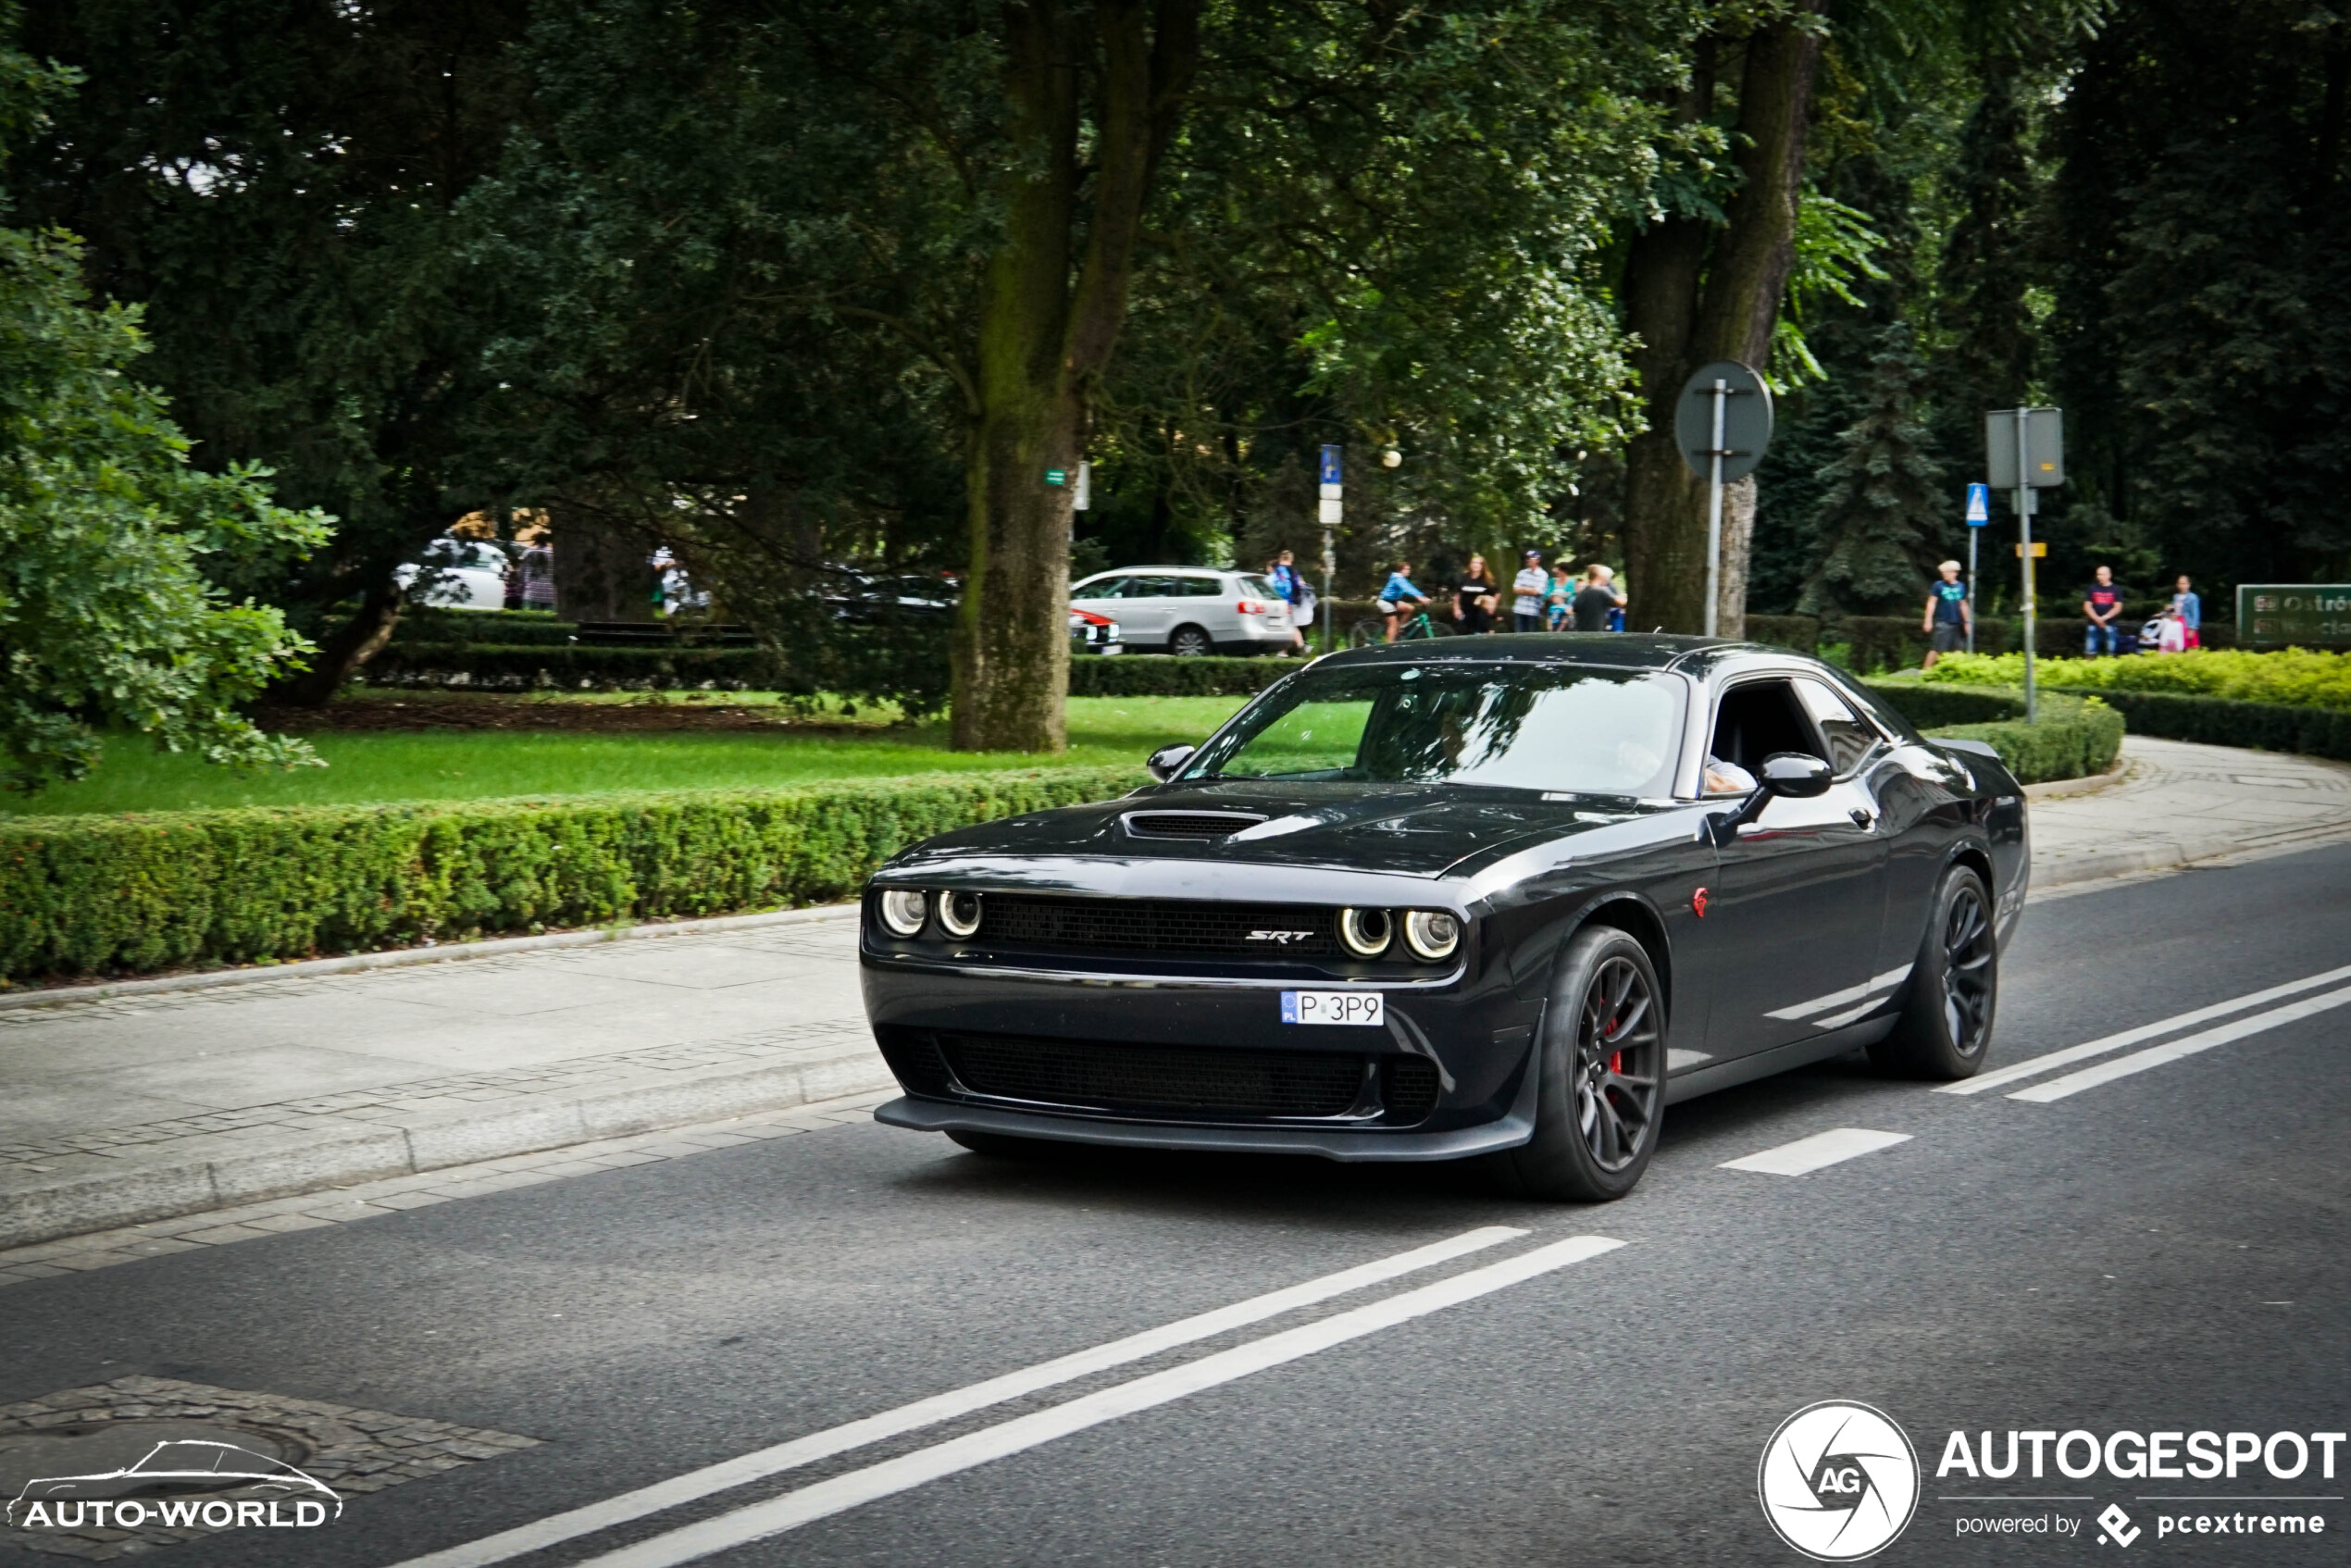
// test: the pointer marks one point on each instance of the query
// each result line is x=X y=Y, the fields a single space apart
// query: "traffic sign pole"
x=1714 y=514
x=2024 y=524
x=1979 y=512
x=1333 y=481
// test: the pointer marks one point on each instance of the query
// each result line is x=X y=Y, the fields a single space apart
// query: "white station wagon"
x=1188 y=610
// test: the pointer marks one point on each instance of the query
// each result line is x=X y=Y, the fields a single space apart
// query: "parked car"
x=1501 y=897
x=1188 y=610
x=867 y=597
x=467 y=573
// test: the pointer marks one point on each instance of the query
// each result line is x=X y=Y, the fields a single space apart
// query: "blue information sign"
x=1978 y=504
x=1330 y=465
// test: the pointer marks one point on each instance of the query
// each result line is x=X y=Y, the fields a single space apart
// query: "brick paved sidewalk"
x=128 y=1110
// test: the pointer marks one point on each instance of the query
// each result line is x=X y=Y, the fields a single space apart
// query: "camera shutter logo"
x=1838 y=1481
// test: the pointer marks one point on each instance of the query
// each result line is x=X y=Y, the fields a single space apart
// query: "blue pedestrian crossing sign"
x=1330 y=465
x=1978 y=504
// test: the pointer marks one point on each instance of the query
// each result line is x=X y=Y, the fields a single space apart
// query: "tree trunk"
x=1682 y=328
x=1738 y=534
x=351 y=645
x=1049 y=318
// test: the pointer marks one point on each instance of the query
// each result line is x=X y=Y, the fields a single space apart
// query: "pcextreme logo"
x=260 y=1491
x=1839 y=1481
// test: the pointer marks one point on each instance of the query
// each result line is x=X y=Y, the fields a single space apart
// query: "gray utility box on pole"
x=2024 y=451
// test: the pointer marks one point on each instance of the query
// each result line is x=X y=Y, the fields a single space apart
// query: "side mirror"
x=1168 y=761
x=1796 y=775
x=1793 y=774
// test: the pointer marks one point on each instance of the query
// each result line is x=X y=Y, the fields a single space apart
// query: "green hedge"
x=498 y=667
x=110 y=894
x=1163 y=675
x=2217 y=721
x=2077 y=736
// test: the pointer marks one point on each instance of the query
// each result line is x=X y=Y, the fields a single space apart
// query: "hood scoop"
x=1194 y=825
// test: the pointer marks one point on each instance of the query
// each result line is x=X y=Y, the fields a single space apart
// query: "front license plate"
x=1334 y=1007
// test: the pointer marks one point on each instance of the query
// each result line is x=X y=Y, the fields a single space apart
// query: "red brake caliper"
x=1616 y=1062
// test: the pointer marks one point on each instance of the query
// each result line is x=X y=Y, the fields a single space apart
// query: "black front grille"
x=1409 y=1087
x=1187 y=824
x=1027 y=923
x=1167 y=1080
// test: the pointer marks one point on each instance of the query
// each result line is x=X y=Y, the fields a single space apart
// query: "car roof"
x=1699 y=656
x=1178 y=572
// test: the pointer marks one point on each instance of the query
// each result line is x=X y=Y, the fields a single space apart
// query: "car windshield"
x=1506 y=726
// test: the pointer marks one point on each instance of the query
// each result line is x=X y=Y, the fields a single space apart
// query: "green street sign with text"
x=2298 y=615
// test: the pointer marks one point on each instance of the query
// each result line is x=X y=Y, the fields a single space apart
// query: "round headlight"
x=1365 y=932
x=903 y=909
x=959 y=912
x=1432 y=933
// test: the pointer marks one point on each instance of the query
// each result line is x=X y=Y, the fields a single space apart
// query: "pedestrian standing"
x=2190 y=610
x=1476 y=594
x=537 y=570
x=2102 y=608
x=1594 y=602
x=1282 y=572
x=1527 y=589
x=1616 y=590
x=1948 y=617
x=1558 y=599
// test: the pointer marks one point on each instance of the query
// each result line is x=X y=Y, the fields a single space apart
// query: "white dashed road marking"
x=2172 y=1050
x=2001 y=1077
x=1821 y=1149
x=957 y=1402
x=861 y=1487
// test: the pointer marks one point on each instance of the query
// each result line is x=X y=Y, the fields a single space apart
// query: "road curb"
x=393 y=958
x=245 y=1168
x=2090 y=784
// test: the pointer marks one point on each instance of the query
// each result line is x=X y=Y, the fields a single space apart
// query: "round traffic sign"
x=1747 y=419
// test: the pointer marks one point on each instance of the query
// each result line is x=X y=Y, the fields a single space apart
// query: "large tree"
x=279 y=180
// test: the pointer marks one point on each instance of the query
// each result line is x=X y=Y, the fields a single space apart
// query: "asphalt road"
x=2163 y=1252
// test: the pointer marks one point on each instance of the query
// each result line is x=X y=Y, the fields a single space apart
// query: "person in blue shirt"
x=1948 y=614
x=1401 y=598
x=1283 y=574
x=2190 y=609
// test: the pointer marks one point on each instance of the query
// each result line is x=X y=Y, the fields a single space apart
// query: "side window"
x=1152 y=587
x=1849 y=737
x=1756 y=719
x=1104 y=588
x=1202 y=587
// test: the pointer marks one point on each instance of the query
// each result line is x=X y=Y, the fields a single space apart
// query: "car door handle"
x=1860 y=818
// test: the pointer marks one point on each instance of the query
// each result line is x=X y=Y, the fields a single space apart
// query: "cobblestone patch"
x=345 y=1448
x=255 y=1222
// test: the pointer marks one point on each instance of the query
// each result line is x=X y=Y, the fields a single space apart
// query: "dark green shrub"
x=575 y=666
x=1161 y=675
x=103 y=894
x=2217 y=721
x=2076 y=736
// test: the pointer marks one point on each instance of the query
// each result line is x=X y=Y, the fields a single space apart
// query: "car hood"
x=1414 y=829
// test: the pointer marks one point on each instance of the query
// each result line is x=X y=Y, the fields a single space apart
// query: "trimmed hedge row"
x=100 y=894
x=2217 y=721
x=1163 y=675
x=489 y=666
x=2077 y=736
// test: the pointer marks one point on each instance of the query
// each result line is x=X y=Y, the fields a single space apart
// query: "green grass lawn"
x=444 y=765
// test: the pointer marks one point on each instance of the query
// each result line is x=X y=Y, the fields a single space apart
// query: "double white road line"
x=2170 y=1050
x=856 y=1487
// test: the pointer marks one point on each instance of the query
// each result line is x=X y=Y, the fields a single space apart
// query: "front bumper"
x=1481 y=1044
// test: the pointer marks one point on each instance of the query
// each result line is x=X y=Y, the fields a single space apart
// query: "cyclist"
x=1400 y=598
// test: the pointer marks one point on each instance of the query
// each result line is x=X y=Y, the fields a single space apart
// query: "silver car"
x=1188 y=610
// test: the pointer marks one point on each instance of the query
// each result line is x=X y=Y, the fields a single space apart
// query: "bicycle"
x=1373 y=632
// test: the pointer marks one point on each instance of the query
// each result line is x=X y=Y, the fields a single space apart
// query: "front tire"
x=1601 y=1101
x=1955 y=987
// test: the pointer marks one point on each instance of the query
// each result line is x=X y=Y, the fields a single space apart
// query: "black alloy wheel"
x=1946 y=1022
x=1601 y=1095
x=1617 y=1079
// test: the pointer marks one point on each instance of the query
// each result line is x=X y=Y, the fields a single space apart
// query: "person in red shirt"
x=2102 y=607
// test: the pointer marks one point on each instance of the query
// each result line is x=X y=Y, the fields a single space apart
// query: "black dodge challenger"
x=1496 y=896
